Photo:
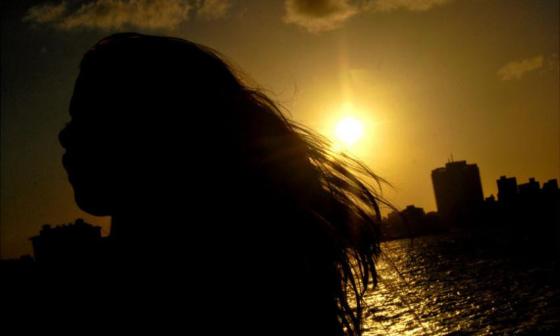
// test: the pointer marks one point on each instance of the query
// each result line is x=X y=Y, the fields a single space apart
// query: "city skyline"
x=431 y=221
x=73 y=241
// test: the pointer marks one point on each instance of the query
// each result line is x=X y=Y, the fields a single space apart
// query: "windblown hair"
x=337 y=196
x=348 y=213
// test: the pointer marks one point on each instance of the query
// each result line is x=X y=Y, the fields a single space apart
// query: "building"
x=458 y=192
x=413 y=215
x=550 y=187
x=410 y=222
x=530 y=189
x=70 y=243
x=507 y=189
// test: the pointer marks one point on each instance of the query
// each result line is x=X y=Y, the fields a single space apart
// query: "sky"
x=426 y=80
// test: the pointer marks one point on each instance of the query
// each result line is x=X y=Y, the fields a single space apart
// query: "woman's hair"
x=336 y=196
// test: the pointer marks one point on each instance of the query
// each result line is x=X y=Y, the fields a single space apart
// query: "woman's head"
x=156 y=119
x=145 y=108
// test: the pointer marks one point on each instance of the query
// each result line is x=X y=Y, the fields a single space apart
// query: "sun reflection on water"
x=424 y=289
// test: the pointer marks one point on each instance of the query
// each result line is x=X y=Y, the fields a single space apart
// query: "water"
x=442 y=286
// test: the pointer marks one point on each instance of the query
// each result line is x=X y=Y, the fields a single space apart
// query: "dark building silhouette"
x=490 y=199
x=458 y=192
x=413 y=214
x=531 y=188
x=14 y=268
x=550 y=187
x=507 y=188
x=393 y=226
x=73 y=243
x=527 y=213
x=522 y=215
x=410 y=222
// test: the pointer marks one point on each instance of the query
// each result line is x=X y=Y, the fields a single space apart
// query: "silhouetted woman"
x=223 y=210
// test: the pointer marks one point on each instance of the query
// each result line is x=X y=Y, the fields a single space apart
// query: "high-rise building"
x=507 y=189
x=458 y=192
x=530 y=189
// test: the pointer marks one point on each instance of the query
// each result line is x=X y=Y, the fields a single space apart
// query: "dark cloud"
x=411 y=5
x=45 y=13
x=319 y=15
x=117 y=14
x=323 y=15
x=213 y=9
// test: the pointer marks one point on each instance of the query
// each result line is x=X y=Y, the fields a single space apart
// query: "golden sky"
x=426 y=79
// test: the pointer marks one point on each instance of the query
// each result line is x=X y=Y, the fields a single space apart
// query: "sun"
x=349 y=131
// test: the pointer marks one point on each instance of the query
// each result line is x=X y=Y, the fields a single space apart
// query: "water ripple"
x=434 y=286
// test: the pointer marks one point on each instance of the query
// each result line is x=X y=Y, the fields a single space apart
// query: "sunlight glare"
x=349 y=130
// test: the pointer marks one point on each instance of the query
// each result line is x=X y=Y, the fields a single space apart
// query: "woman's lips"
x=69 y=166
x=67 y=161
x=78 y=169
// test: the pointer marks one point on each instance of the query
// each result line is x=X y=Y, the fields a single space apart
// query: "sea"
x=450 y=285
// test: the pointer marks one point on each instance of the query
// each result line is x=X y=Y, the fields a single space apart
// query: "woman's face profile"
x=90 y=145
x=132 y=132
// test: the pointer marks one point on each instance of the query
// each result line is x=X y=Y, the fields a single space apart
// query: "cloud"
x=213 y=9
x=113 y=14
x=517 y=69
x=552 y=63
x=319 y=15
x=411 y=5
x=45 y=13
x=323 y=15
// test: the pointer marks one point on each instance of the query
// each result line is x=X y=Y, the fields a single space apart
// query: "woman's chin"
x=94 y=205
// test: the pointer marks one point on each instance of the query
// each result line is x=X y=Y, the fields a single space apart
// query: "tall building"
x=458 y=192
x=530 y=189
x=507 y=189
